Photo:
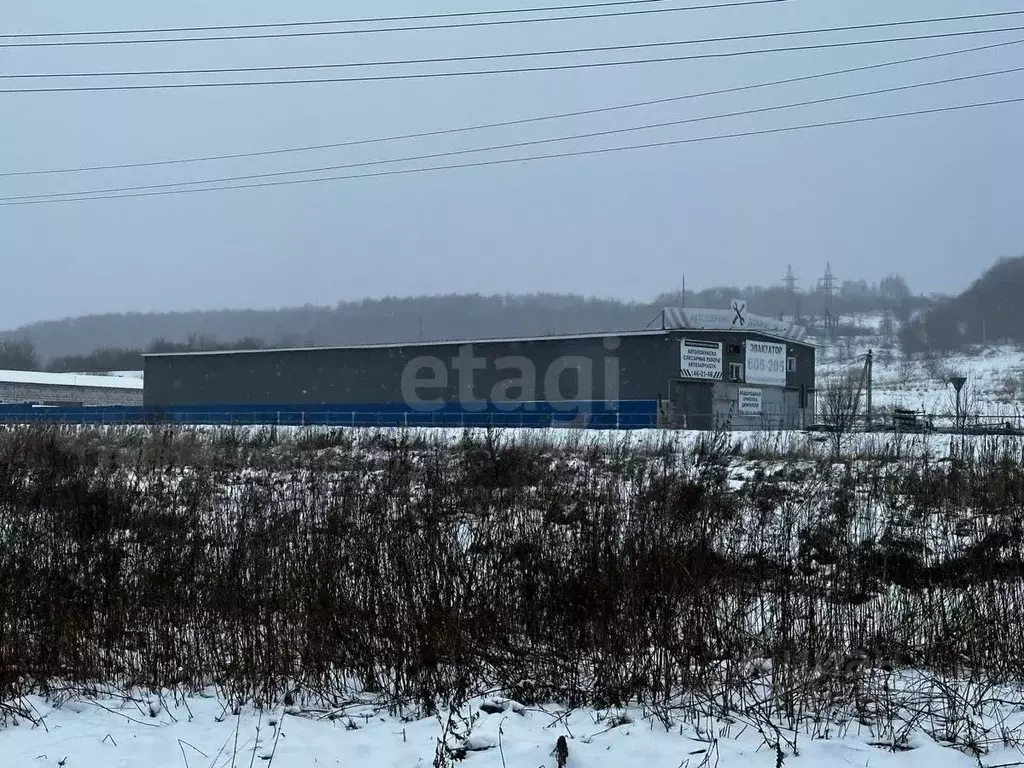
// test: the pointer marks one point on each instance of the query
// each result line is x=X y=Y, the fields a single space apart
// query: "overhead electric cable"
x=557 y=52
x=515 y=122
x=419 y=28
x=559 y=155
x=465 y=73
x=519 y=144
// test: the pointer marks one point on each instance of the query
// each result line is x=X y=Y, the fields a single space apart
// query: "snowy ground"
x=198 y=732
x=995 y=374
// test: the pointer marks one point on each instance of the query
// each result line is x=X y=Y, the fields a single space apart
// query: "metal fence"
x=633 y=416
x=624 y=415
x=984 y=424
x=1009 y=423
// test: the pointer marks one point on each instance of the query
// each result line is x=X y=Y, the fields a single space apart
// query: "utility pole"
x=682 y=295
x=958 y=384
x=870 y=364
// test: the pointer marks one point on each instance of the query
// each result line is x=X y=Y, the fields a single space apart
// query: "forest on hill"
x=111 y=342
x=987 y=312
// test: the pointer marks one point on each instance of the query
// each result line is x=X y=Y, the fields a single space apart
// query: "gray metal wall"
x=646 y=364
x=780 y=409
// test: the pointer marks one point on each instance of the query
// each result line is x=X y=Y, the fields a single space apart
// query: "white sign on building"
x=700 y=359
x=766 y=363
x=749 y=401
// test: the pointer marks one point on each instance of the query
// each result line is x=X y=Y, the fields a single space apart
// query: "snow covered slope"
x=995 y=374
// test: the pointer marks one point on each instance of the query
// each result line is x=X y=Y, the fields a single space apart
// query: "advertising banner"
x=750 y=401
x=700 y=359
x=766 y=363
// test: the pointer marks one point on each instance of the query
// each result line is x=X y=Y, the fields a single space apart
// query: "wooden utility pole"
x=870 y=375
x=958 y=384
x=864 y=386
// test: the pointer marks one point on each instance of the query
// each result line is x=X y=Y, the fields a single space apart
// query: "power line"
x=520 y=121
x=326 y=22
x=533 y=54
x=522 y=144
x=222 y=38
x=418 y=28
x=559 y=155
x=517 y=70
x=366 y=20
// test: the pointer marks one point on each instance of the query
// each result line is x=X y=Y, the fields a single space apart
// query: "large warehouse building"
x=700 y=370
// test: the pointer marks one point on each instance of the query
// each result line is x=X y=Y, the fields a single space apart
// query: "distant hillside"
x=987 y=312
x=370 y=321
x=429 y=318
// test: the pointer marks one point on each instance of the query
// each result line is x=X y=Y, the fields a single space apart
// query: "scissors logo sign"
x=739 y=309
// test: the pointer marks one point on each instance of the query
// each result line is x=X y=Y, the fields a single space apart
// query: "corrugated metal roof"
x=505 y=340
x=69 y=379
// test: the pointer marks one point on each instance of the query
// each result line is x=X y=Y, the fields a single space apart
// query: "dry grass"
x=308 y=567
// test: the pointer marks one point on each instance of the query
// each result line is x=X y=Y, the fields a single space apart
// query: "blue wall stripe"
x=633 y=414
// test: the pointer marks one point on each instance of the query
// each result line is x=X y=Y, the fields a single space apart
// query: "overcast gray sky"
x=935 y=198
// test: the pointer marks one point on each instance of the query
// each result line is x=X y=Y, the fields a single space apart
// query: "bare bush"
x=1009 y=389
x=906 y=371
x=937 y=369
x=839 y=401
x=424 y=570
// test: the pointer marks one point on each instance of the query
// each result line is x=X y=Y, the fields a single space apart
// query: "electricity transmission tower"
x=827 y=286
x=794 y=298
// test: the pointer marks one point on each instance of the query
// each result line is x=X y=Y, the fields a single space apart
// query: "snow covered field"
x=199 y=732
x=995 y=374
